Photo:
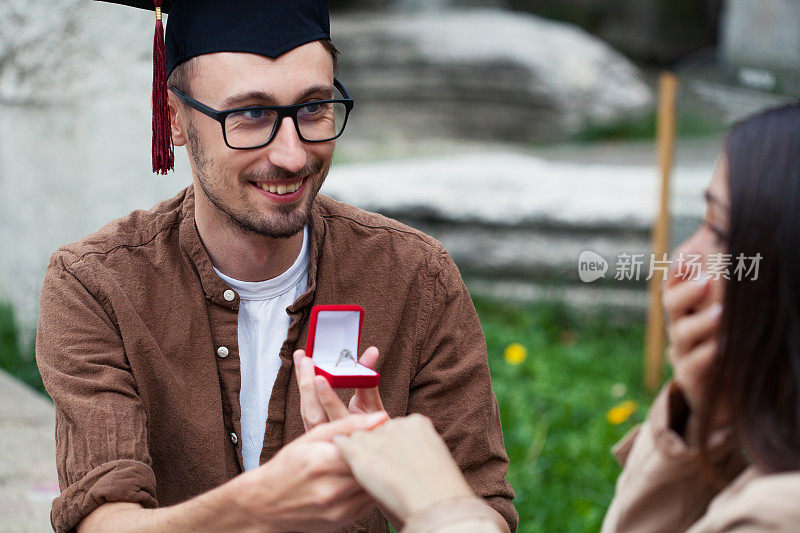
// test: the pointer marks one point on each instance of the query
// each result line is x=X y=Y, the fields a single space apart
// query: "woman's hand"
x=404 y=465
x=693 y=330
x=693 y=311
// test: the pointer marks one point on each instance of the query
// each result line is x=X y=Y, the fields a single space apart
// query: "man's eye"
x=314 y=111
x=254 y=114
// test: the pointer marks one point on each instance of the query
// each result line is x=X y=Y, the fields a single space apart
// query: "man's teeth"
x=280 y=189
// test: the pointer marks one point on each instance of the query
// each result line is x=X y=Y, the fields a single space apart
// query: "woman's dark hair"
x=756 y=377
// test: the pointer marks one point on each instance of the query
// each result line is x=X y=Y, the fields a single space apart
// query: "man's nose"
x=286 y=150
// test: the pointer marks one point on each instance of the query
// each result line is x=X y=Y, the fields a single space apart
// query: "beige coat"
x=661 y=487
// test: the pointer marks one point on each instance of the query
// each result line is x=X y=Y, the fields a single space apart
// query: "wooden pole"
x=665 y=140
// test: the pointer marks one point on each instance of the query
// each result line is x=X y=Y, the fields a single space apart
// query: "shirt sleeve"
x=101 y=435
x=452 y=387
x=662 y=486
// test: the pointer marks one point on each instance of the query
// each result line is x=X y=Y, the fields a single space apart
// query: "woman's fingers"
x=700 y=359
x=691 y=373
x=346 y=426
x=688 y=331
x=682 y=297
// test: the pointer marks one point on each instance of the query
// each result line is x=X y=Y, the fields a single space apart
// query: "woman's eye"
x=720 y=236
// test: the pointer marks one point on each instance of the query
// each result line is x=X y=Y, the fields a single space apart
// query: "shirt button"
x=222 y=351
x=234 y=438
x=229 y=295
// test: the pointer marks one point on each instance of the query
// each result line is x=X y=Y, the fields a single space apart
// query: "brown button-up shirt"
x=147 y=410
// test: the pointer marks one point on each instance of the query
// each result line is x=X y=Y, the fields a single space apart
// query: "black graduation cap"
x=196 y=27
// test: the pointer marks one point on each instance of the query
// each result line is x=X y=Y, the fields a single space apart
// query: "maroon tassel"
x=163 y=153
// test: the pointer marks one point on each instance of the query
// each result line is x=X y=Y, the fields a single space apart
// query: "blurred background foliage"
x=16 y=353
x=557 y=407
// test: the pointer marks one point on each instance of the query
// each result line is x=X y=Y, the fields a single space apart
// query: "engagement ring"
x=345 y=355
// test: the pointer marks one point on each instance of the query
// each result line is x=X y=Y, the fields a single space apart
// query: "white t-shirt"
x=263 y=325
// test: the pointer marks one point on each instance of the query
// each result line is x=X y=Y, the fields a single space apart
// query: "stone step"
x=28 y=478
x=516 y=223
x=528 y=253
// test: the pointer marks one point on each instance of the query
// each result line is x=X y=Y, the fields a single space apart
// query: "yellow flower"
x=622 y=412
x=515 y=353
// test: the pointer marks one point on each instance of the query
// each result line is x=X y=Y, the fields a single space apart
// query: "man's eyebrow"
x=266 y=98
x=712 y=199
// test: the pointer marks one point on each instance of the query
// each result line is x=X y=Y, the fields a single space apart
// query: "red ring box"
x=334 y=328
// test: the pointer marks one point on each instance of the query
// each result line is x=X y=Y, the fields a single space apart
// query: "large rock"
x=75 y=129
x=69 y=52
x=482 y=73
x=762 y=33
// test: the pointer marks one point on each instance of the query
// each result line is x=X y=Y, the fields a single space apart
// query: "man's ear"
x=176 y=121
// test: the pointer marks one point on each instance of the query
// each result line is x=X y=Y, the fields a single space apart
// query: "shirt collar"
x=316 y=229
x=282 y=283
x=213 y=286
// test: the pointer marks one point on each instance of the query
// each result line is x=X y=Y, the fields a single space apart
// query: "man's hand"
x=319 y=403
x=307 y=486
x=693 y=318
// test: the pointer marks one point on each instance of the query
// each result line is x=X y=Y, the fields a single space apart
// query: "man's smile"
x=281 y=191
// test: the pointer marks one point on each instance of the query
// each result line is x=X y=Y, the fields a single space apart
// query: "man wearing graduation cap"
x=170 y=339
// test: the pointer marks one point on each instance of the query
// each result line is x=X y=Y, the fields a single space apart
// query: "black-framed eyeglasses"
x=245 y=128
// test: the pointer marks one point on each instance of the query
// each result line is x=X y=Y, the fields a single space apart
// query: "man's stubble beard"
x=288 y=219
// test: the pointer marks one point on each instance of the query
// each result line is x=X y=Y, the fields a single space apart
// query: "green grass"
x=16 y=359
x=553 y=408
x=644 y=129
x=553 y=405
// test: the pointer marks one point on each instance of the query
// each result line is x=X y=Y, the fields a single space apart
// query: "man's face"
x=237 y=182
